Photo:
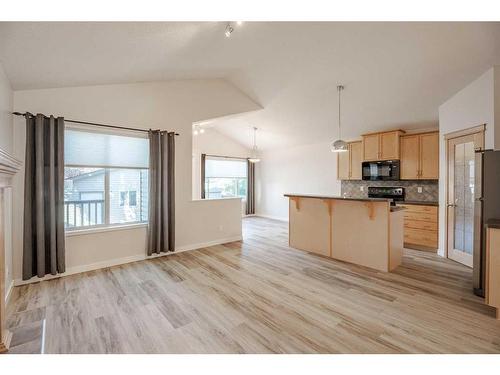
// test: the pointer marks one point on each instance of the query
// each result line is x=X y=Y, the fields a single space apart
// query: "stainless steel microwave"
x=386 y=170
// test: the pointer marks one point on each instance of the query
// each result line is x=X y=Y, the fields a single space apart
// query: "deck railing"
x=83 y=213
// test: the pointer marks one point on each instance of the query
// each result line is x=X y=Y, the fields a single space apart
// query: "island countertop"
x=323 y=196
x=363 y=231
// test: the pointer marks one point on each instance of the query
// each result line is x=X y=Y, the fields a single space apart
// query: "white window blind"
x=229 y=168
x=84 y=148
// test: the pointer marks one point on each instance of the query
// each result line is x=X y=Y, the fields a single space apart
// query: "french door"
x=460 y=201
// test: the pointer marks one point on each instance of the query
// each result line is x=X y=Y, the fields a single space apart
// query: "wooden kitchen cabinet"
x=420 y=226
x=371 y=147
x=410 y=165
x=429 y=156
x=381 y=146
x=420 y=156
x=492 y=279
x=349 y=163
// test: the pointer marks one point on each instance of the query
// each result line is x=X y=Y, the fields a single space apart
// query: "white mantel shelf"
x=9 y=166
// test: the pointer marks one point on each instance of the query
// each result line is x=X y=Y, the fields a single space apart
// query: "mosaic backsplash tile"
x=430 y=189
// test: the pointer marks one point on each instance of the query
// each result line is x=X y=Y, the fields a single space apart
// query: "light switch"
x=419 y=189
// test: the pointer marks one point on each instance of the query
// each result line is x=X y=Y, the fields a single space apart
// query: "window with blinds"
x=105 y=179
x=225 y=177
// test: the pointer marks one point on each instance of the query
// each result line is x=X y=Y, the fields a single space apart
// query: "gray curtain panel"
x=161 y=228
x=250 y=210
x=43 y=246
x=202 y=179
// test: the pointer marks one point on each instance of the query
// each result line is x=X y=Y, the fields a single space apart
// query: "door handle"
x=451 y=205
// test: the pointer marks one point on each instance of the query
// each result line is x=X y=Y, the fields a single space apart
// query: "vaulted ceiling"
x=395 y=74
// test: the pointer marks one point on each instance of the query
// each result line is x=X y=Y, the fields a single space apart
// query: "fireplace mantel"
x=9 y=166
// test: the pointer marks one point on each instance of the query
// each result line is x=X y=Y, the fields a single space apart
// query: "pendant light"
x=255 y=153
x=339 y=145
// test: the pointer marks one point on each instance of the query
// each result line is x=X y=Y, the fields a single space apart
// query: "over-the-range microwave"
x=386 y=170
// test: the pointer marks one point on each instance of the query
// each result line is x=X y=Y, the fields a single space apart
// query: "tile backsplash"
x=430 y=189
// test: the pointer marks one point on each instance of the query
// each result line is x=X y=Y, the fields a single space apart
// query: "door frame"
x=479 y=134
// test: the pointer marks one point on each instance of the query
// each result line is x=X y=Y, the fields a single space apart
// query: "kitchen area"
x=400 y=166
x=388 y=201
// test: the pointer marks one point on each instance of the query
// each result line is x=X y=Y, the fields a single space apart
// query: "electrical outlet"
x=362 y=188
x=419 y=189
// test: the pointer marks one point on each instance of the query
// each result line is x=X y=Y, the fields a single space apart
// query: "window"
x=225 y=178
x=105 y=179
x=128 y=198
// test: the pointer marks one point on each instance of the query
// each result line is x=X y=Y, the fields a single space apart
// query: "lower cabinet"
x=493 y=269
x=420 y=227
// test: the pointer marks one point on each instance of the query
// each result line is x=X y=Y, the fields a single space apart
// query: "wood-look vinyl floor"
x=256 y=296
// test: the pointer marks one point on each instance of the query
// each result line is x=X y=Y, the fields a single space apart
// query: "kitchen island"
x=367 y=232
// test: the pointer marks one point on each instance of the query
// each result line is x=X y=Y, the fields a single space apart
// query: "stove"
x=395 y=193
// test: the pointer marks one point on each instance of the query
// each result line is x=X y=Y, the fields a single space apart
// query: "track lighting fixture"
x=229 y=30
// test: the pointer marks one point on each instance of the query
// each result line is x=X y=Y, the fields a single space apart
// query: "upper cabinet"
x=381 y=146
x=349 y=163
x=420 y=156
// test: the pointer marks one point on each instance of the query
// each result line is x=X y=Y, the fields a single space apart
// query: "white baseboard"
x=9 y=292
x=124 y=260
x=273 y=217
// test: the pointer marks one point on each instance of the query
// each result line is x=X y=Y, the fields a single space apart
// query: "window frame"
x=234 y=158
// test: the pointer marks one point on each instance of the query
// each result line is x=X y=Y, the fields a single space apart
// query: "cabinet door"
x=343 y=165
x=389 y=145
x=409 y=157
x=429 y=156
x=371 y=147
x=356 y=150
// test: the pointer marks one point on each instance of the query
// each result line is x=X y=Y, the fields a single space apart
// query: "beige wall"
x=213 y=142
x=173 y=105
x=476 y=104
x=303 y=169
x=6 y=99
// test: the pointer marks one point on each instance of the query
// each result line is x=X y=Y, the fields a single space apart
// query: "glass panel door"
x=461 y=168
x=464 y=197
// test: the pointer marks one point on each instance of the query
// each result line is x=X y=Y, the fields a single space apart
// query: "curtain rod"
x=89 y=123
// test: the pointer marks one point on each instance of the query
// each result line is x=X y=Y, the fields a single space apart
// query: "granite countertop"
x=423 y=203
x=320 y=196
x=493 y=223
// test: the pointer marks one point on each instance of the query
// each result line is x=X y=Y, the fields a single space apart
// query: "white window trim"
x=104 y=228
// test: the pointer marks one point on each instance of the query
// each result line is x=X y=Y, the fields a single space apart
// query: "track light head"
x=229 y=30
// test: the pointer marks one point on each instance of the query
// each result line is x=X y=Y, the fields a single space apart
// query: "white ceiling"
x=395 y=74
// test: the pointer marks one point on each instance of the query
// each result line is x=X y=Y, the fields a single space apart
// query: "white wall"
x=303 y=169
x=6 y=140
x=474 y=105
x=213 y=142
x=5 y=112
x=173 y=105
